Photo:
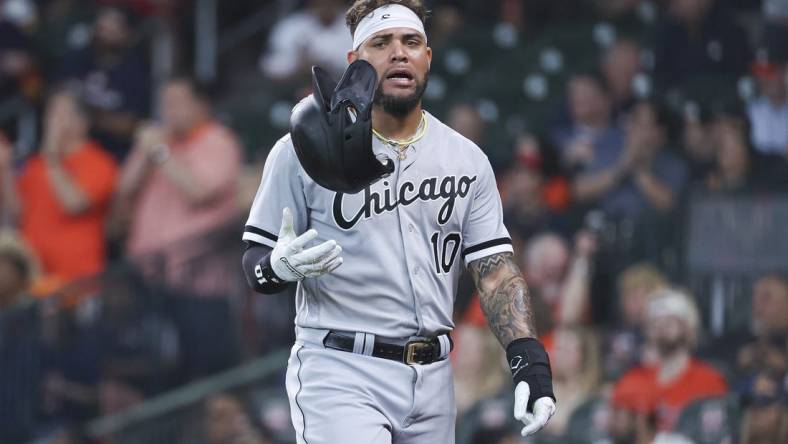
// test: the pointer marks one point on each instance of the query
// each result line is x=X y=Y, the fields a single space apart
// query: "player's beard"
x=400 y=106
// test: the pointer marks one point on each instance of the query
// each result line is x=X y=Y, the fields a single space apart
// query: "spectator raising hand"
x=149 y=137
x=64 y=132
x=575 y=308
x=62 y=193
x=561 y=278
x=590 y=136
x=642 y=174
x=178 y=188
x=180 y=179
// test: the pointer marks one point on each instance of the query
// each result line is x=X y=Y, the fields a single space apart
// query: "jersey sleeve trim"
x=260 y=236
x=484 y=249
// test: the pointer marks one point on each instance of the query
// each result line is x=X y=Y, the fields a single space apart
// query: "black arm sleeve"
x=257 y=269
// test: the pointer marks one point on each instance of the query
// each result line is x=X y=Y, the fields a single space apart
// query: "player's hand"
x=291 y=262
x=543 y=410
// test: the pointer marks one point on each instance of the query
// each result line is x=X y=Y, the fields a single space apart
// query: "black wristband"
x=258 y=271
x=265 y=273
x=529 y=362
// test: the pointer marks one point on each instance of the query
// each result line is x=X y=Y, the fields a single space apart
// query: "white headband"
x=386 y=17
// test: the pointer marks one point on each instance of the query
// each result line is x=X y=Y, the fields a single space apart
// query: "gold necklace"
x=401 y=146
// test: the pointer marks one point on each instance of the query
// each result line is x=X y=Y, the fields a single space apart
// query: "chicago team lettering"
x=449 y=188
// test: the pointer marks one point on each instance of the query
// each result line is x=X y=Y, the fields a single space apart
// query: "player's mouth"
x=400 y=77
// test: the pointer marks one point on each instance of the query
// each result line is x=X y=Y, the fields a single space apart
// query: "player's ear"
x=352 y=56
x=429 y=57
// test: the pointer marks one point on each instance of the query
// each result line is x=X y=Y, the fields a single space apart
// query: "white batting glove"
x=544 y=408
x=291 y=262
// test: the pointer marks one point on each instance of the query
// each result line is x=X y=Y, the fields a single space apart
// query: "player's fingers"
x=320 y=253
x=334 y=264
x=534 y=423
x=297 y=244
x=544 y=408
x=521 y=394
x=530 y=429
x=540 y=418
x=286 y=230
x=325 y=266
x=333 y=255
x=321 y=264
x=317 y=253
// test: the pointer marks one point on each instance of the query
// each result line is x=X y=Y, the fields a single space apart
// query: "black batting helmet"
x=332 y=130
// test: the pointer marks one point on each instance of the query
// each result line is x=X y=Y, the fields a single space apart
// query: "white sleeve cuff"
x=484 y=249
x=260 y=236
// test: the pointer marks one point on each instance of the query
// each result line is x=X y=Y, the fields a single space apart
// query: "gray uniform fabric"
x=340 y=397
x=405 y=240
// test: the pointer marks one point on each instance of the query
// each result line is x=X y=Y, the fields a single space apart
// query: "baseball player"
x=377 y=270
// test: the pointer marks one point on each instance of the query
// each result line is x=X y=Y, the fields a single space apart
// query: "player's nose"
x=398 y=53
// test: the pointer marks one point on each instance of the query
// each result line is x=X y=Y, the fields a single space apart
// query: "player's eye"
x=379 y=44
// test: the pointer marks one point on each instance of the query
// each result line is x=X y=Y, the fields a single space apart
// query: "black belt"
x=415 y=350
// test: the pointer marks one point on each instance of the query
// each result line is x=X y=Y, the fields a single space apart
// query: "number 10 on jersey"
x=444 y=251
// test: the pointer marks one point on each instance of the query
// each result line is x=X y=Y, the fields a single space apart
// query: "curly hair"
x=361 y=8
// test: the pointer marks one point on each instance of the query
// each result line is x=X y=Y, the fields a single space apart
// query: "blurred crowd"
x=605 y=120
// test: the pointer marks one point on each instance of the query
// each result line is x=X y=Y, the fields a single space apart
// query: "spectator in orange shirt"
x=179 y=183
x=61 y=194
x=677 y=378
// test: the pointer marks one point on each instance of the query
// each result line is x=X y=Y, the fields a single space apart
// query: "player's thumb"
x=286 y=231
x=521 y=394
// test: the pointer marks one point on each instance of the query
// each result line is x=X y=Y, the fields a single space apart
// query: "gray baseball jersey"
x=405 y=238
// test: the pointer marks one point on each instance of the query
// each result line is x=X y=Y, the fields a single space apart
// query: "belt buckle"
x=413 y=348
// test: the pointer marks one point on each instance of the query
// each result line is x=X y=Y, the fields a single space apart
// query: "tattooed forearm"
x=504 y=297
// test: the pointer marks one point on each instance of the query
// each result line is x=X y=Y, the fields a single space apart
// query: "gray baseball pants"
x=338 y=397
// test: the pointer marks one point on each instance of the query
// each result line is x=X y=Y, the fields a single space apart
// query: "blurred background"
x=641 y=150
